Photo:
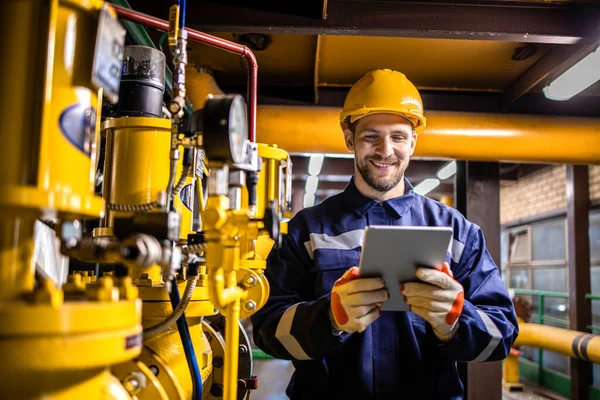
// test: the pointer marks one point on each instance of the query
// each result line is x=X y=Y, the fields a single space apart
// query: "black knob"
x=272 y=221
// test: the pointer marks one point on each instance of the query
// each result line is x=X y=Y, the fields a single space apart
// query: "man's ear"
x=413 y=144
x=349 y=139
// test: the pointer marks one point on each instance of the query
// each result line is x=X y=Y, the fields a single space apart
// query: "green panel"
x=528 y=370
x=555 y=381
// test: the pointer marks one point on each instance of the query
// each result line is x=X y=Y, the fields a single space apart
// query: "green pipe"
x=529 y=292
x=261 y=355
x=139 y=35
x=545 y=318
x=561 y=295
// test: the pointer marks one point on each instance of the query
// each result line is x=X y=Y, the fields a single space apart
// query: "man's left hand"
x=439 y=300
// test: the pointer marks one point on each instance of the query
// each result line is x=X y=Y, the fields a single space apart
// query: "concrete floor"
x=528 y=394
x=273 y=378
x=274 y=375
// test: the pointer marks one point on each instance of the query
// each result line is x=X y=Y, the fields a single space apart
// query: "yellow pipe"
x=199 y=86
x=273 y=175
x=16 y=256
x=468 y=136
x=220 y=295
x=558 y=340
x=232 y=337
x=511 y=369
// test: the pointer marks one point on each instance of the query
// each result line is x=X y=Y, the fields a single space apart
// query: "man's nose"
x=385 y=147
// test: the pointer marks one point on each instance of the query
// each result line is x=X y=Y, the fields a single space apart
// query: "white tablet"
x=393 y=252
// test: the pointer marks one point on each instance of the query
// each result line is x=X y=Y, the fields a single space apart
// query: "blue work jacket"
x=398 y=356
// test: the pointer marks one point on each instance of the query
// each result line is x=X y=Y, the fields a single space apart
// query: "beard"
x=381 y=184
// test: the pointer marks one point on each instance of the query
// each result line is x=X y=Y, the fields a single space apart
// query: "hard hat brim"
x=418 y=122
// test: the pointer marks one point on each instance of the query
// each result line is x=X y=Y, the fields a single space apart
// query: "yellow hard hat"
x=384 y=91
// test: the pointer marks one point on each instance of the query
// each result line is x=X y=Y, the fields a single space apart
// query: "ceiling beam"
x=529 y=103
x=563 y=23
x=549 y=67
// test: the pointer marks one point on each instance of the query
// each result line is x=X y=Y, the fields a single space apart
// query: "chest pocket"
x=330 y=265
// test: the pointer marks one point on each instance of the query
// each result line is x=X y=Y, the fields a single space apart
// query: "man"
x=329 y=322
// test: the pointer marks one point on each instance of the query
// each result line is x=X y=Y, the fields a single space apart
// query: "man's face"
x=382 y=146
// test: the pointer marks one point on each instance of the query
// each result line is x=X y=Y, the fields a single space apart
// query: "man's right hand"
x=356 y=302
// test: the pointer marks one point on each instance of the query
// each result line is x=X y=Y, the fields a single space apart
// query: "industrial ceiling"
x=471 y=56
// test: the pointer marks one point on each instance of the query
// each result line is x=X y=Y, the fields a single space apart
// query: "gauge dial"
x=225 y=132
x=238 y=129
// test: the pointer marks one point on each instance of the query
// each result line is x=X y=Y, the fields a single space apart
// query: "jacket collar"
x=397 y=205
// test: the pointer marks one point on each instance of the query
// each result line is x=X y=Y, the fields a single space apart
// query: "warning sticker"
x=187 y=195
x=78 y=124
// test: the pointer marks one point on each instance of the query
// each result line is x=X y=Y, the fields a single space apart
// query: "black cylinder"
x=142 y=83
x=251 y=182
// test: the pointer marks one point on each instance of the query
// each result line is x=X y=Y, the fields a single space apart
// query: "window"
x=519 y=246
x=595 y=238
x=534 y=256
x=553 y=279
x=519 y=278
x=549 y=241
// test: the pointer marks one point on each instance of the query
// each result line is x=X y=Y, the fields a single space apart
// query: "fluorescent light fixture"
x=311 y=184
x=447 y=171
x=577 y=78
x=426 y=186
x=315 y=164
x=309 y=199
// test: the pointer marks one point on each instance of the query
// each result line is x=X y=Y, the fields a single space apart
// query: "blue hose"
x=188 y=347
x=182 y=14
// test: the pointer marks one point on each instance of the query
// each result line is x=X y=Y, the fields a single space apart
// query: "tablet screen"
x=393 y=252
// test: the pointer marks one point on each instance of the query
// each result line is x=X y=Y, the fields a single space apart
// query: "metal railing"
x=543 y=294
x=543 y=319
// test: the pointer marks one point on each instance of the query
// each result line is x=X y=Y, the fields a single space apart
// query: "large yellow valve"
x=186 y=219
x=50 y=118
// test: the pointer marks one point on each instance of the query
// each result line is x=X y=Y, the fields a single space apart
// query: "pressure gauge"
x=225 y=132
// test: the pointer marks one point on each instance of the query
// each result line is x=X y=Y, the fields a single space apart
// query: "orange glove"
x=356 y=302
x=439 y=301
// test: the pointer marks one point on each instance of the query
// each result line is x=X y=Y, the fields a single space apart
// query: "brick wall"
x=540 y=193
x=595 y=183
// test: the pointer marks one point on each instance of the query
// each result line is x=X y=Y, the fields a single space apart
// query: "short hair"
x=352 y=125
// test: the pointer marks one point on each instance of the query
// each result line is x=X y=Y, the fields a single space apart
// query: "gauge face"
x=238 y=129
x=225 y=131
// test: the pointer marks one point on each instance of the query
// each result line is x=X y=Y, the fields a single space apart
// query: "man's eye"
x=399 y=138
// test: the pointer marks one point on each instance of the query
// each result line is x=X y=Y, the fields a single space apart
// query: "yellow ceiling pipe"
x=200 y=85
x=462 y=136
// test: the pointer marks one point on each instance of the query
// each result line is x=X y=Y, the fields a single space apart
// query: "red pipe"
x=213 y=41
